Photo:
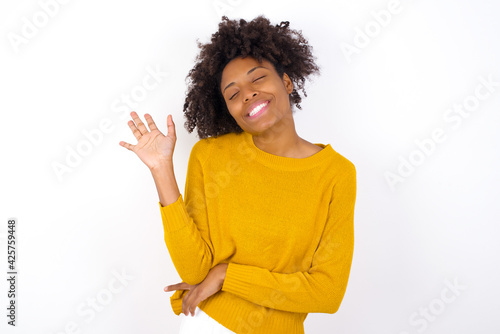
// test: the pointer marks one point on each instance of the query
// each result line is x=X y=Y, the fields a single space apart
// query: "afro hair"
x=286 y=49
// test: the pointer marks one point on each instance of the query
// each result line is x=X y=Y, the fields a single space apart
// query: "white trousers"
x=201 y=323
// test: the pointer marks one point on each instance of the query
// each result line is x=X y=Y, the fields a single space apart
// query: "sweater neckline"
x=288 y=163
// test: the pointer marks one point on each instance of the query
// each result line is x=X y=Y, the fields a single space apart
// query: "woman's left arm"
x=199 y=292
x=320 y=289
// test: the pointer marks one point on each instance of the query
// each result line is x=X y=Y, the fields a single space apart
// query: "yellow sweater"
x=283 y=225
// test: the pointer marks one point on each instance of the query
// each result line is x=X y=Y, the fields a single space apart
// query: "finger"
x=193 y=309
x=178 y=286
x=190 y=301
x=185 y=303
x=139 y=123
x=193 y=302
x=171 y=126
x=135 y=131
x=151 y=123
x=172 y=288
x=127 y=146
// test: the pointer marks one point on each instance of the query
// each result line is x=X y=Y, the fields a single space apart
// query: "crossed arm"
x=320 y=289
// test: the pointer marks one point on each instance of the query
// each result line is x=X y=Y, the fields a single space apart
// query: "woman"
x=264 y=234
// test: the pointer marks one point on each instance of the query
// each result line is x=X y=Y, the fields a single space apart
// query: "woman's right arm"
x=166 y=185
x=186 y=234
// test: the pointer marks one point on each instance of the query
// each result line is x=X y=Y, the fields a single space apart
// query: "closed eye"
x=252 y=81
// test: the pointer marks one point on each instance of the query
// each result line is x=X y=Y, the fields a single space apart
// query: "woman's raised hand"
x=153 y=147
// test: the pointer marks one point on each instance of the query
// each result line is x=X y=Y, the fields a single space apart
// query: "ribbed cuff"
x=176 y=301
x=238 y=279
x=174 y=216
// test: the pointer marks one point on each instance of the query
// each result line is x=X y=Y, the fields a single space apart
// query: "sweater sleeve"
x=185 y=223
x=320 y=289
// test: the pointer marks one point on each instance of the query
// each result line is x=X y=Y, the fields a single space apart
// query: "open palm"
x=153 y=147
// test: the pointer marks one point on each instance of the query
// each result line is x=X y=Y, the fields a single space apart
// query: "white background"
x=75 y=232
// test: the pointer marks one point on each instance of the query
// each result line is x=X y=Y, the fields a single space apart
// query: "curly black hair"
x=286 y=49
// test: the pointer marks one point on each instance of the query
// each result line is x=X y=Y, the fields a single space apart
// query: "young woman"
x=264 y=234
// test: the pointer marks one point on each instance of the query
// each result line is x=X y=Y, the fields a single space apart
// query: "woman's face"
x=256 y=96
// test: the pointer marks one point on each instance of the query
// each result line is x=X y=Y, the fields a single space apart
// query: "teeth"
x=257 y=109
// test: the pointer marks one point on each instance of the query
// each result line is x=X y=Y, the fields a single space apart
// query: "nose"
x=250 y=95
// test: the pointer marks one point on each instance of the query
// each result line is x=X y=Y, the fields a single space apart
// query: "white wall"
x=435 y=227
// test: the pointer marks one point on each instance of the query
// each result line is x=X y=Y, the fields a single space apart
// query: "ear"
x=287 y=83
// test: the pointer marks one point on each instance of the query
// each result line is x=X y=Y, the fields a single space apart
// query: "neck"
x=281 y=139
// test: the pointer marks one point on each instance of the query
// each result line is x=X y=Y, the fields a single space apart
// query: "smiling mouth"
x=258 y=109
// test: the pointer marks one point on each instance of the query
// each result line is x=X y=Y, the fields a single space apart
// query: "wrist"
x=162 y=165
x=223 y=270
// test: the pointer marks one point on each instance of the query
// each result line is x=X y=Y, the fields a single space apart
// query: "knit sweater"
x=285 y=226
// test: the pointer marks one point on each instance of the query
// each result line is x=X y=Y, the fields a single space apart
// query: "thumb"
x=170 y=125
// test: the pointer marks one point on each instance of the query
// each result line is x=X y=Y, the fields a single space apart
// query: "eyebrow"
x=253 y=69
